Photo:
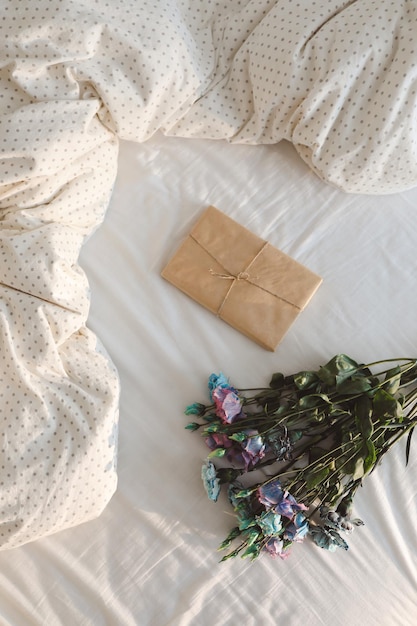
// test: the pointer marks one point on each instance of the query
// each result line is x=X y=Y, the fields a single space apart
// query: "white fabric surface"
x=70 y=87
x=150 y=558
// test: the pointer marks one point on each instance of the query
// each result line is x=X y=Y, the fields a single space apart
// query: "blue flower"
x=254 y=446
x=297 y=529
x=272 y=496
x=217 y=380
x=270 y=523
x=210 y=480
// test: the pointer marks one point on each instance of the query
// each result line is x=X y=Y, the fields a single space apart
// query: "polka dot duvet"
x=336 y=79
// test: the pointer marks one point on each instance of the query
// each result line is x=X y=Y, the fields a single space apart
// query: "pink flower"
x=245 y=454
x=254 y=445
x=252 y=448
x=275 y=547
x=218 y=440
x=228 y=404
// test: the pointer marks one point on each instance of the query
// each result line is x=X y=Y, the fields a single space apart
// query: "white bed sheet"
x=150 y=559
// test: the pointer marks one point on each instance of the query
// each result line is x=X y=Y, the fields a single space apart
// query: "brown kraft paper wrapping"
x=241 y=278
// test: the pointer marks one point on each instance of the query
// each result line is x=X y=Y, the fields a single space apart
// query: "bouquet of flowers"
x=292 y=456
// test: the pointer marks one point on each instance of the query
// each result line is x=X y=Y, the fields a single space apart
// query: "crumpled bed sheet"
x=337 y=79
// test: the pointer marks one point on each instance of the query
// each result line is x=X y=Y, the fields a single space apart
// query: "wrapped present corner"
x=241 y=278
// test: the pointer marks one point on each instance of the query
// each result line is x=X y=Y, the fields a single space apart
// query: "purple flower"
x=270 y=493
x=236 y=456
x=228 y=404
x=210 y=480
x=252 y=449
x=275 y=547
x=240 y=454
x=254 y=445
x=272 y=496
x=218 y=440
x=226 y=398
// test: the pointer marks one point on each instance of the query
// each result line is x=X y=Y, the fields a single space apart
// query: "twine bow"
x=240 y=276
x=244 y=275
x=235 y=277
x=232 y=277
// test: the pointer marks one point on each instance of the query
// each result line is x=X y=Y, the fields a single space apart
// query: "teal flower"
x=218 y=380
x=328 y=538
x=210 y=480
x=270 y=523
x=195 y=409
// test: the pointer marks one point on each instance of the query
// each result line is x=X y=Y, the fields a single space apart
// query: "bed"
x=104 y=516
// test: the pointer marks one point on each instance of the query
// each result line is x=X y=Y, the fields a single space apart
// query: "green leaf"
x=370 y=458
x=231 y=555
x=312 y=400
x=243 y=493
x=252 y=536
x=211 y=417
x=408 y=445
x=308 y=402
x=295 y=435
x=193 y=426
x=386 y=407
x=235 y=532
x=277 y=381
x=354 y=386
x=357 y=469
x=354 y=466
x=336 y=412
x=246 y=522
x=251 y=552
x=317 y=477
x=315 y=453
x=335 y=491
x=218 y=452
x=212 y=428
x=392 y=380
x=305 y=380
x=363 y=410
x=195 y=409
x=239 y=437
x=337 y=369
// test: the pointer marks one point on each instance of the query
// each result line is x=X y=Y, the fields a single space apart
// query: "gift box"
x=241 y=278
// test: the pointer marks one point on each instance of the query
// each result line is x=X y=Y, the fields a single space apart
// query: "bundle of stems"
x=299 y=449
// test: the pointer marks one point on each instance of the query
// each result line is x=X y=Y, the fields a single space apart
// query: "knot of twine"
x=233 y=277
x=245 y=276
x=240 y=276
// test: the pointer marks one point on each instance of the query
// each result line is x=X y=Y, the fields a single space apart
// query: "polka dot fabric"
x=338 y=79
